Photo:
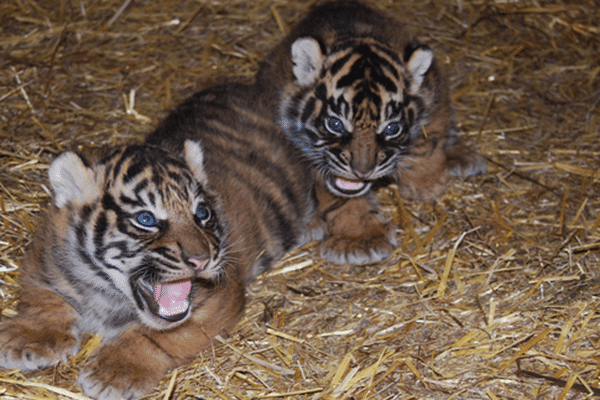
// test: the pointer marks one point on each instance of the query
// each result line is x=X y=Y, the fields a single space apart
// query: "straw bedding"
x=494 y=291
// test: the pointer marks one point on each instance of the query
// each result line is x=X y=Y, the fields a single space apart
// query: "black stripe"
x=393 y=66
x=284 y=226
x=279 y=225
x=158 y=346
x=215 y=239
x=270 y=171
x=116 y=170
x=337 y=66
x=151 y=197
x=164 y=253
x=321 y=92
x=337 y=105
x=309 y=107
x=393 y=109
x=371 y=61
x=84 y=255
x=108 y=203
x=135 y=168
x=99 y=229
x=128 y=200
x=118 y=320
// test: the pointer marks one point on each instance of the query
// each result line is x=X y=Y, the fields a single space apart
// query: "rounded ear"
x=307 y=60
x=194 y=156
x=418 y=64
x=72 y=180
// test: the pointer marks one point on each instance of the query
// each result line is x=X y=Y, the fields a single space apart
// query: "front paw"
x=374 y=241
x=114 y=372
x=28 y=348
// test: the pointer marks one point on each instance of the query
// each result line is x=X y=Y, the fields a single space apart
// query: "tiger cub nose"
x=362 y=175
x=198 y=263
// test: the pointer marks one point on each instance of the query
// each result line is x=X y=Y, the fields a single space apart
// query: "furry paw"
x=462 y=161
x=93 y=385
x=467 y=165
x=374 y=241
x=424 y=187
x=28 y=348
x=314 y=230
x=114 y=372
x=425 y=173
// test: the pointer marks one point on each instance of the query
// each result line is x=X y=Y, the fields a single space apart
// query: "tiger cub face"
x=143 y=235
x=354 y=108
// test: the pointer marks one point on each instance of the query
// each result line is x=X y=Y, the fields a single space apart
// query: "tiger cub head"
x=355 y=106
x=141 y=229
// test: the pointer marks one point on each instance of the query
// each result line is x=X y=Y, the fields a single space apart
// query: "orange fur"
x=354 y=228
x=152 y=248
x=70 y=285
x=141 y=357
x=365 y=101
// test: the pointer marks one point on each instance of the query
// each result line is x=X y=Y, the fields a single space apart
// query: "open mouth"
x=348 y=187
x=167 y=300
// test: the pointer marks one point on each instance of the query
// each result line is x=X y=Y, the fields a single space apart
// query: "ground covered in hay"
x=495 y=290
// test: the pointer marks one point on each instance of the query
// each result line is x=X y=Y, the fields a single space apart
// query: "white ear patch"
x=307 y=59
x=418 y=65
x=71 y=180
x=194 y=156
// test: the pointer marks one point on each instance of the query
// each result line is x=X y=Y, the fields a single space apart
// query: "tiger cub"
x=151 y=249
x=367 y=104
x=247 y=153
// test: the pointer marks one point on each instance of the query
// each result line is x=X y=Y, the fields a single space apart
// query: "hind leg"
x=425 y=172
x=41 y=334
x=461 y=160
x=423 y=176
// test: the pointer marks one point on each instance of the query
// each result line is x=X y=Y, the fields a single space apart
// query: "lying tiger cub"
x=365 y=102
x=152 y=248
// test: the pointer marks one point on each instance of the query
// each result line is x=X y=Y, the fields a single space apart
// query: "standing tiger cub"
x=366 y=103
x=151 y=249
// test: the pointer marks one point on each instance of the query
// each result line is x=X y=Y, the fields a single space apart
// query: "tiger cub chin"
x=138 y=248
x=366 y=103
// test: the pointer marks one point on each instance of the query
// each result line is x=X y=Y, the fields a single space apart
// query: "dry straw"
x=495 y=289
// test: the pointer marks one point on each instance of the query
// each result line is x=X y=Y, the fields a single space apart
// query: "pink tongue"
x=348 y=185
x=172 y=298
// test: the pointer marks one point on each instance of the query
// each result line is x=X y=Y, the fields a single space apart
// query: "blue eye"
x=202 y=212
x=146 y=218
x=391 y=131
x=334 y=126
